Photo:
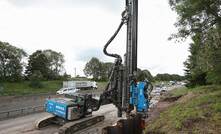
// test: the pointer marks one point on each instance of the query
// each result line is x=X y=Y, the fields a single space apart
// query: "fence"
x=20 y=112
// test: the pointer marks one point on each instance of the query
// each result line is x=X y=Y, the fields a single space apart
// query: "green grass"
x=198 y=111
x=23 y=88
x=177 y=92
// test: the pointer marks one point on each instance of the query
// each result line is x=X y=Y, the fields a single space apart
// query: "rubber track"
x=72 y=127
x=43 y=122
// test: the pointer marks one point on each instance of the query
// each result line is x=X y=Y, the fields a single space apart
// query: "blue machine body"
x=58 y=107
x=137 y=96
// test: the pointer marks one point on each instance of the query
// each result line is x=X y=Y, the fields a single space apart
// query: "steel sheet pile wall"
x=126 y=126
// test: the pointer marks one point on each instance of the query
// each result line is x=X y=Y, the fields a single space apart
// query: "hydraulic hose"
x=124 y=18
x=117 y=56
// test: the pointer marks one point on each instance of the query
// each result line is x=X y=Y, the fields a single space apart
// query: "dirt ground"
x=155 y=111
x=161 y=106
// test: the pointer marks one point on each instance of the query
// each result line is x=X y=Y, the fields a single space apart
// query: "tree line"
x=48 y=65
x=99 y=70
x=169 y=77
x=200 y=20
x=42 y=64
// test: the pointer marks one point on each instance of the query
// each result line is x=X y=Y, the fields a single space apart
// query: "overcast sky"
x=80 y=28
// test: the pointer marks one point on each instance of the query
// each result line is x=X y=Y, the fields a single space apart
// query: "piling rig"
x=123 y=89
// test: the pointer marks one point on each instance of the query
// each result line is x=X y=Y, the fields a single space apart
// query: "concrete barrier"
x=20 y=112
x=8 y=103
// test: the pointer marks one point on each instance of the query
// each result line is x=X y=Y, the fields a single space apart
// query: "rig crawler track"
x=70 y=127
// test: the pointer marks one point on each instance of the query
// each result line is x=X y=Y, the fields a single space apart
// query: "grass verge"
x=197 y=111
x=24 y=88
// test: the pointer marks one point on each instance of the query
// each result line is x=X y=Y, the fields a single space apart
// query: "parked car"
x=67 y=90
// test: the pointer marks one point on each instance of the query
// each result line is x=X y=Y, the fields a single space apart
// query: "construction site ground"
x=25 y=124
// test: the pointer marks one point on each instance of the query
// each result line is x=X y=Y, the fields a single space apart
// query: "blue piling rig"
x=123 y=90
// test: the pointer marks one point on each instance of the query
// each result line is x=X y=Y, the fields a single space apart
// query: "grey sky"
x=80 y=28
x=86 y=54
x=108 y=4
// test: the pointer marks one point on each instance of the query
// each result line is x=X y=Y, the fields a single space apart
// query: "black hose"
x=119 y=59
x=111 y=39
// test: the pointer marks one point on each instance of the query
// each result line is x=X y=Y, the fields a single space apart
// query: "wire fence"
x=20 y=112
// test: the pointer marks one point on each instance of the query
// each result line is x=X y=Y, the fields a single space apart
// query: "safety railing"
x=20 y=112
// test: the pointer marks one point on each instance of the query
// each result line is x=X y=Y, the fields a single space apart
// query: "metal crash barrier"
x=20 y=112
x=134 y=125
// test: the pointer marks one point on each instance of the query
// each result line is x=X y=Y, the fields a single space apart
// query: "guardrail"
x=20 y=112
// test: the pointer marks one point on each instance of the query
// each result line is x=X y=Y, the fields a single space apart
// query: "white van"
x=70 y=90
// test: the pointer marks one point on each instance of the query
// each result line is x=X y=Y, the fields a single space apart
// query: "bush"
x=35 y=80
x=36 y=84
x=1 y=88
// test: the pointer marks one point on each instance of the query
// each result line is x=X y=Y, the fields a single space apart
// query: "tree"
x=106 y=70
x=196 y=16
x=35 y=80
x=48 y=62
x=11 y=65
x=200 y=19
x=56 y=61
x=93 y=68
x=97 y=69
x=168 y=77
x=212 y=52
x=65 y=77
x=143 y=75
x=38 y=62
x=101 y=70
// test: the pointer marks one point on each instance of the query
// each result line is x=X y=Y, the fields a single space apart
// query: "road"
x=25 y=125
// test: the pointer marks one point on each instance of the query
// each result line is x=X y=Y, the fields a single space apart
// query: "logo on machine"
x=60 y=108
